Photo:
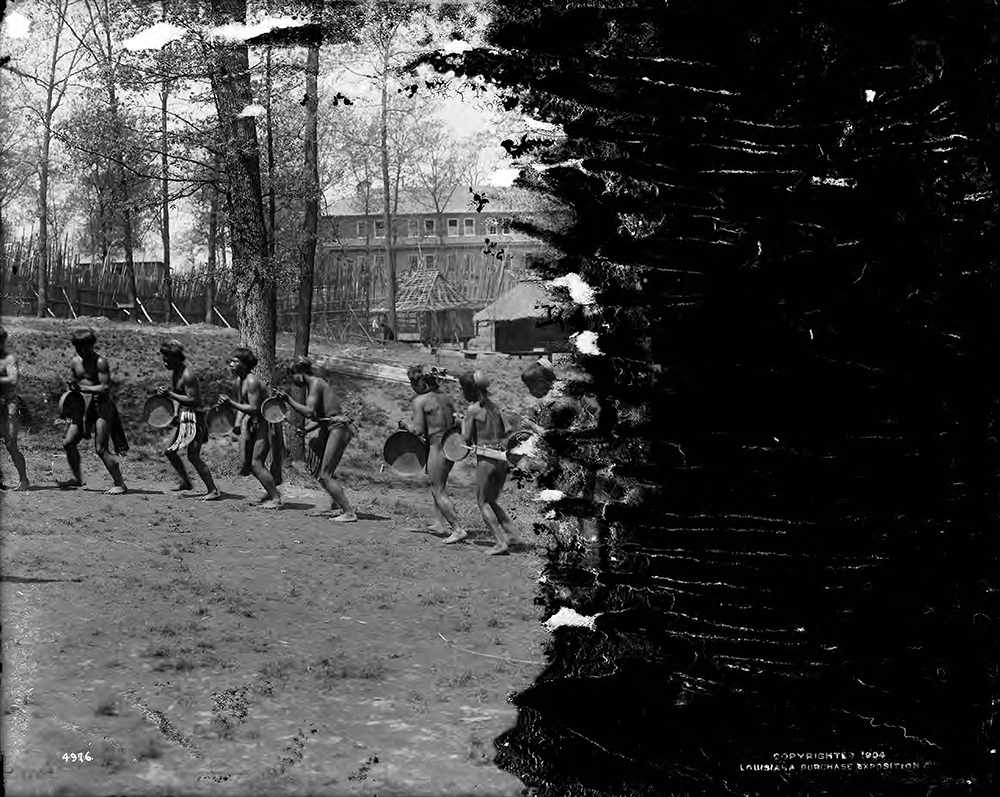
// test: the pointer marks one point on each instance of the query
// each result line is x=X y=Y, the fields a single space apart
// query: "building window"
x=428 y=261
x=506 y=226
x=428 y=226
x=413 y=228
x=380 y=229
x=491 y=227
x=379 y=263
x=362 y=229
x=470 y=227
x=452 y=226
x=361 y=263
x=412 y=261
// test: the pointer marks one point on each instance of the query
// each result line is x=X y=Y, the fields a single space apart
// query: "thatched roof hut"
x=515 y=323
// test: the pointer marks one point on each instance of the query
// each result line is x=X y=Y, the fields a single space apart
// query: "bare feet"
x=70 y=484
x=344 y=517
x=456 y=536
x=118 y=489
x=21 y=487
x=317 y=512
x=270 y=504
x=182 y=487
x=497 y=550
x=213 y=495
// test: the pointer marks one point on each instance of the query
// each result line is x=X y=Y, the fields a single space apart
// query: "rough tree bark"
x=271 y=194
x=390 y=263
x=213 y=239
x=168 y=293
x=310 y=222
x=123 y=192
x=252 y=276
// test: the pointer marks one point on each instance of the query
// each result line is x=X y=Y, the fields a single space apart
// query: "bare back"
x=323 y=398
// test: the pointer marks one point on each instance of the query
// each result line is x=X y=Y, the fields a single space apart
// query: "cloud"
x=502 y=178
x=154 y=37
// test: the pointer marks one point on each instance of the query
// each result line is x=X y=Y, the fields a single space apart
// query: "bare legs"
x=490 y=478
x=438 y=469
x=102 y=445
x=261 y=447
x=10 y=438
x=194 y=457
x=335 y=445
x=70 y=445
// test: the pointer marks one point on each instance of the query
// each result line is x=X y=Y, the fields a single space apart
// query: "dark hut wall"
x=798 y=353
x=526 y=334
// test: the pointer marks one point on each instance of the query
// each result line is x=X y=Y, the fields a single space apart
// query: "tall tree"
x=62 y=60
x=253 y=276
x=168 y=292
x=213 y=239
x=310 y=221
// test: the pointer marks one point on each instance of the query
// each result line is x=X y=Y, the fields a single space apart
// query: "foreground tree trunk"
x=213 y=238
x=390 y=263
x=310 y=223
x=168 y=293
x=252 y=276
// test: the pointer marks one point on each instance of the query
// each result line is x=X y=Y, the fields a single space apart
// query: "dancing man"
x=257 y=444
x=433 y=417
x=322 y=407
x=100 y=418
x=484 y=426
x=10 y=412
x=191 y=432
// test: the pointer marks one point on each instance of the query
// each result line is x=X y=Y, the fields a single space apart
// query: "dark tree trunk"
x=168 y=293
x=390 y=263
x=271 y=198
x=252 y=275
x=310 y=222
x=213 y=239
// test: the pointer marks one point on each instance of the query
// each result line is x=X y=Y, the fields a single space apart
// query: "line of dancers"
x=483 y=429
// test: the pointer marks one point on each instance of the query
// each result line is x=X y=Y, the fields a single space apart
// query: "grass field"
x=215 y=648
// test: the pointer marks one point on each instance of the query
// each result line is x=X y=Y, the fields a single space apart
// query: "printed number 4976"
x=75 y=757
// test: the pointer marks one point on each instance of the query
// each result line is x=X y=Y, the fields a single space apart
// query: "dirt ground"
x=218 y=648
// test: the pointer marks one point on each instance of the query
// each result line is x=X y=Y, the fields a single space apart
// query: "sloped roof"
x=415 y=201
x=525 y=300
x=424 y=290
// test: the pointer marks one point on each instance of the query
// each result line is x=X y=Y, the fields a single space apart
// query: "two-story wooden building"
x=477 y=250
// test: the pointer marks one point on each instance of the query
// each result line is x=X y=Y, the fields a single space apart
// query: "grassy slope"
x=43 y=350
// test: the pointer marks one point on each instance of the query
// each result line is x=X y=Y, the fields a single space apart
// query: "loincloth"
x=191 y=429
x=316 y=448
x=256 y=428
x=102 y=408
